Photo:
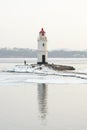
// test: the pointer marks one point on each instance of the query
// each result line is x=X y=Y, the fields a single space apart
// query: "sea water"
x=42 y=105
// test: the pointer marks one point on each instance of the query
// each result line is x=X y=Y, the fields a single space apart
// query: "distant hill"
x=31 y=53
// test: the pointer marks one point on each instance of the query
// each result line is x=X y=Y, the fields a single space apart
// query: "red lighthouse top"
x=42 y=32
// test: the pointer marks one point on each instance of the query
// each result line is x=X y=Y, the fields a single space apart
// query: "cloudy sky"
x=65 y=23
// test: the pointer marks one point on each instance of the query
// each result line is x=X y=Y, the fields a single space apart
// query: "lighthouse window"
x=43 y=44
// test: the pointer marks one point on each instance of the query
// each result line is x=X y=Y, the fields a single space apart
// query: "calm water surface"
x=32 y=106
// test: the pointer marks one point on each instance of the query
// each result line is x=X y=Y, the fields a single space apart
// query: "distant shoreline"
x=32 y=53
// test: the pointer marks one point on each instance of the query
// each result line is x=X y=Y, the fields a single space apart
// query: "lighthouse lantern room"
x=42 y=48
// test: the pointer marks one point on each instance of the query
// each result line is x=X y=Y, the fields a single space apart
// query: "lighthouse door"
x=43 y=58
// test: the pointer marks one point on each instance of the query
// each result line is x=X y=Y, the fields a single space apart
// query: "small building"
x=42 y=48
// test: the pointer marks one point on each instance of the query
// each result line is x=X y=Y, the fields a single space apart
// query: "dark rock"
x=60 y=67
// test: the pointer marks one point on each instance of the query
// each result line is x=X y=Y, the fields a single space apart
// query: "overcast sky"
x=65 y=23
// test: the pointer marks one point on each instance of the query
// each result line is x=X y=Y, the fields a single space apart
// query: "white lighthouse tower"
x=42 y=48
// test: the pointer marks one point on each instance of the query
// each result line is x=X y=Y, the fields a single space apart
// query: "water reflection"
x=42 y=99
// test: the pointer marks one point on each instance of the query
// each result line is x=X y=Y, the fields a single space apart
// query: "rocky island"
x=42 y=65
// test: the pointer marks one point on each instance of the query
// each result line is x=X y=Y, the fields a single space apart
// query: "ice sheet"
x=28 y=74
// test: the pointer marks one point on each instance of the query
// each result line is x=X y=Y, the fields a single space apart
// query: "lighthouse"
x=42 y=48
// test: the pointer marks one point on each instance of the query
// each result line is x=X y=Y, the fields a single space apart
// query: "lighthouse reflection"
x=42 y=99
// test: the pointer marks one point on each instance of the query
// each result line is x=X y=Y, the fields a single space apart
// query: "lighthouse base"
x=40 y=63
